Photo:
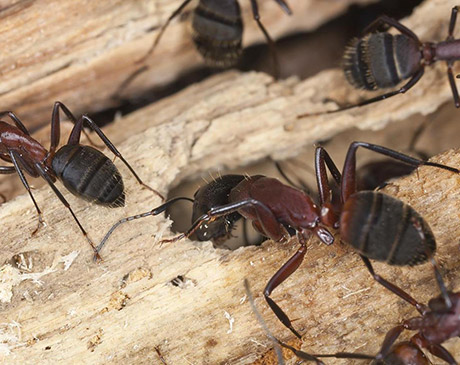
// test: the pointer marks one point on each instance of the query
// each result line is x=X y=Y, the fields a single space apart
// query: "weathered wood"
x=120 y=310
x=80 y=52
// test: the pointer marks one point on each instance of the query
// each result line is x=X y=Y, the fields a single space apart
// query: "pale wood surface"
x=120 y=310
x=88 y=314
x=80 y=52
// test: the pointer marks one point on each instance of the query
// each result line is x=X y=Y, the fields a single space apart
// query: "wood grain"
x=124 y=308
x=80 y=52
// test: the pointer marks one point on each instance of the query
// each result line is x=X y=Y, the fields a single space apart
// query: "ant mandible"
x=382 y=60
x=84 y=171
x=376 y=225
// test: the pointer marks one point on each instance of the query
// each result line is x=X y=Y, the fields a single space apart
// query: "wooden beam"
x=59 y=306
x=81 y=52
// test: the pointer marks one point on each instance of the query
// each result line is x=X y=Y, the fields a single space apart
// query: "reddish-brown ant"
x=382 y=60
x=438 y=322
x=376 y=225
x=84 y=171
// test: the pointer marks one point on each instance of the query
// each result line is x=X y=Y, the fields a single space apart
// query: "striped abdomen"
x=212 y=195
x=383 y=228
x=381 y=60
x=89 y=174
x=217 y=31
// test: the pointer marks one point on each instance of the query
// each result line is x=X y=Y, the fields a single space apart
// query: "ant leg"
x=286 y=177
x=162 y=29
x=402 y=90
x=393 y=288
x=385 y=20
x=281 y=275
x=16 y=167
x=284 y=6
x=270 y=226
x=56 y=124
x=279 y=354
x=5 y=170
x=348 y=184
x=133 y=75
x=117 y=95
x=453 y=20
x=50 y=182
x=322 y=159
x=16 y=121
x=390 y=339
x=301 y=184
x=154 y=211
x=271 y=43
x=442 y=353
x=74 y=139
x=278 y=343
x=453 y=86
x=442 y=286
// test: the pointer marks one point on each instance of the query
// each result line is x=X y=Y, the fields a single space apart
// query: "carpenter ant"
x=217 y=31
x=382 y=60
x=84 y=171
x=437 y=323
x=376 y=225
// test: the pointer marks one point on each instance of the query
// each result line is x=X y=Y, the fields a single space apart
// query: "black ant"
x=84 y=171
x=382 y=60
x=437 y=323
x=376 y=225
x=217 y=31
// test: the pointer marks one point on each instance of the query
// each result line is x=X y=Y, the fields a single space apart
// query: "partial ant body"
x=217 y=31
x=376 y=225
x=213 y=194
x=437 y=323
x=84 y=171
x=382 y=60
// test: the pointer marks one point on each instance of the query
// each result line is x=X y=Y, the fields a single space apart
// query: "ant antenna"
x=154 y=211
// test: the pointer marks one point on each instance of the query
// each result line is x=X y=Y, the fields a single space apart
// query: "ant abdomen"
x=404 y=353
x=211 y=195
x=381 y=60
x=217 y=32
x=368 y=223
x=89 y=174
